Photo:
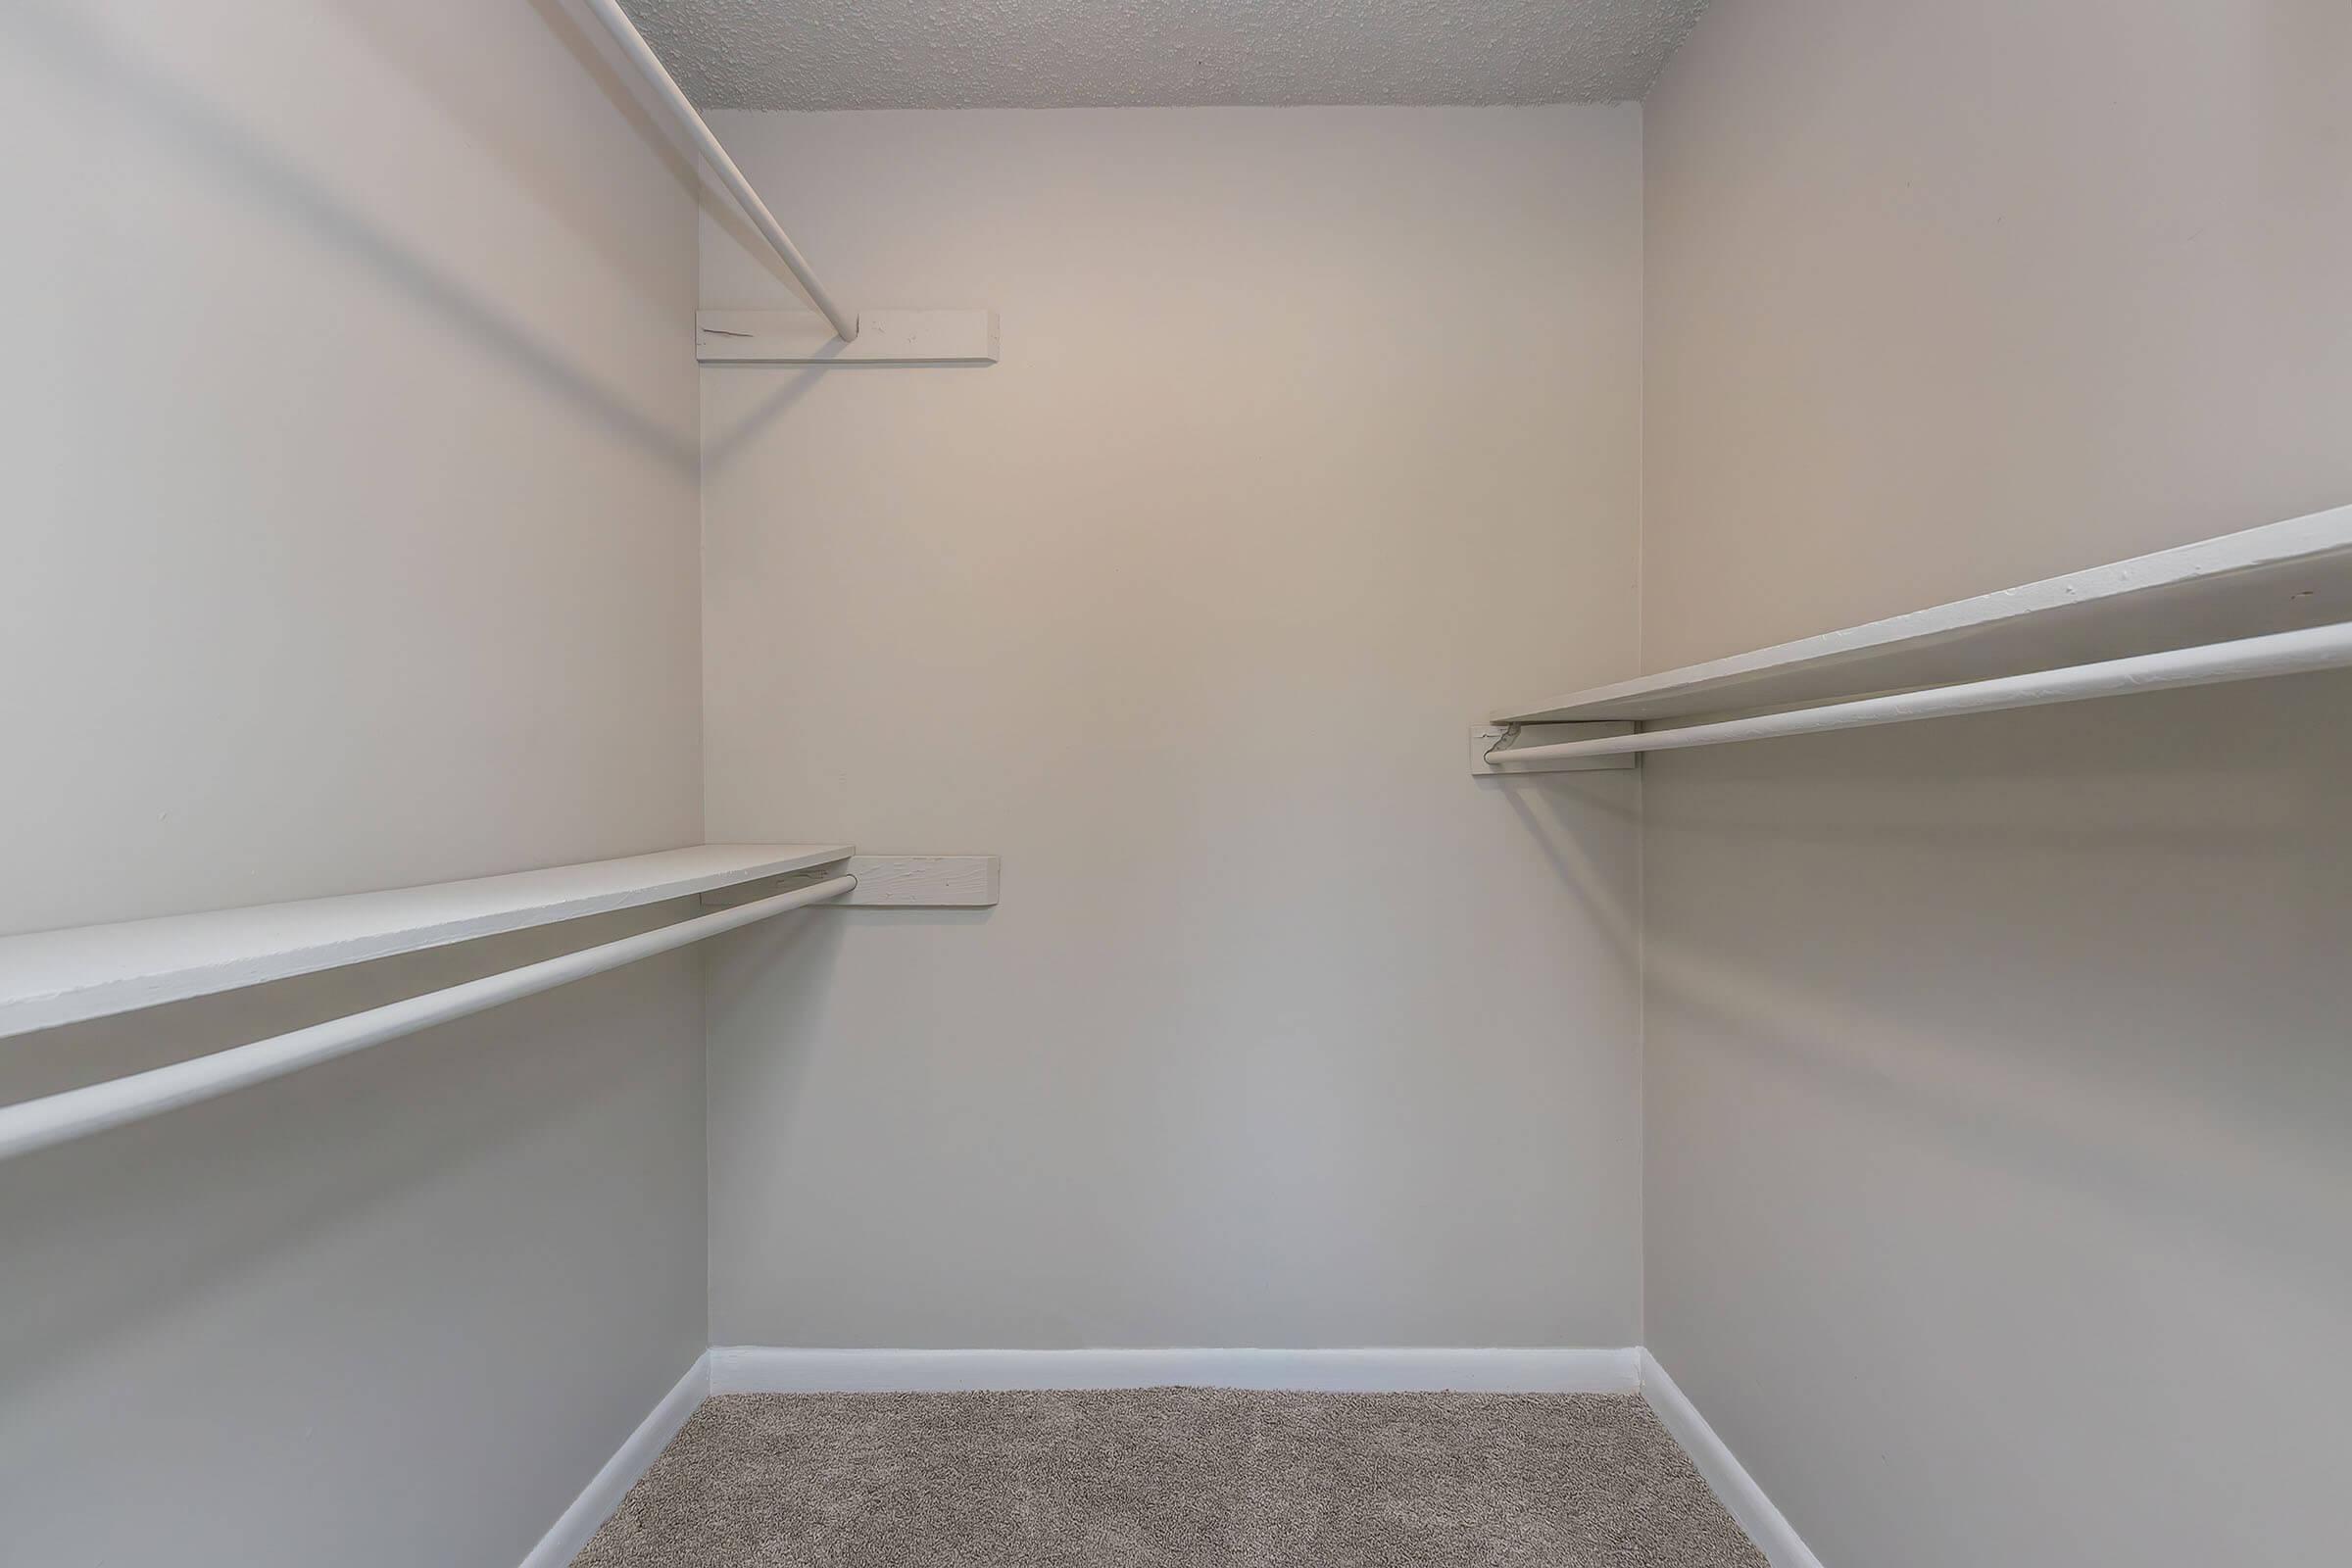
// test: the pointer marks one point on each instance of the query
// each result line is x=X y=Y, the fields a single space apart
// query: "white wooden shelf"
x=2286 y=576
x=49 y=978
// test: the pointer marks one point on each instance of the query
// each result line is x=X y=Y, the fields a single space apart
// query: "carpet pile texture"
x=1206 y=1477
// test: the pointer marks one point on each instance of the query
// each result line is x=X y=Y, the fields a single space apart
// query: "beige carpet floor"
x=1203 y=1478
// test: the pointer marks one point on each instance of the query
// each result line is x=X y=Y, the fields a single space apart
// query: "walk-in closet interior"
x=1176 y=784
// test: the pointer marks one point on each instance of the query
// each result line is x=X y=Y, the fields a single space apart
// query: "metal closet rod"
x=2285 y=653
x=690 y=120
x=76 y=1113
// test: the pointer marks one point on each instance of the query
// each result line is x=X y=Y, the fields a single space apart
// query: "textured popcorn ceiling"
x=1038 y=54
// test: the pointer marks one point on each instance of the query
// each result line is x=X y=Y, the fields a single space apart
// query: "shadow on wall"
x=2038 y=939
x=473 y=89
x=796 y=385
x=623 y=92
x=745 y=973
x=126 y=1228
x=193 y=132
x=721 y=451
x=1540 y=801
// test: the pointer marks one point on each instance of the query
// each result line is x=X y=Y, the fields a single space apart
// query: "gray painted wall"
x=1997 y=1069
x=351 y=542
x=352 y=456
x=1315 y=432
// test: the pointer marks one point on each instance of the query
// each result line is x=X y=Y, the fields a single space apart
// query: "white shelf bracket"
x=1491 y=746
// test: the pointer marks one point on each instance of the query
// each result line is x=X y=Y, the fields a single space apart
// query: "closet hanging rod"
x=2285 y=653
x=690 y=120
x=76 y=1113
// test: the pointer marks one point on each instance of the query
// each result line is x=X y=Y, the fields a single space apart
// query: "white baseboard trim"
x=595 y=1505
x=1724 y=1474
x=761 y=1369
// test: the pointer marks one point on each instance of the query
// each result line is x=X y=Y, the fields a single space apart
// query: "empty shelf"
x=2286 y=576
x=49 y=978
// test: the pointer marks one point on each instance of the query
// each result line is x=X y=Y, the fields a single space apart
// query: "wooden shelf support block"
x=895 y=882
x=884 y=337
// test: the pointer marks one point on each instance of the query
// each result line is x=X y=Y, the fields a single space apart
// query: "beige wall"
x=1315 y=430
x=1947 y=297
x=350 y=542
x=352 y=456
x=1996 y=1069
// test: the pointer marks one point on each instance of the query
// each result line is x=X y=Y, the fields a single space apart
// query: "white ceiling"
x=961 y=54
